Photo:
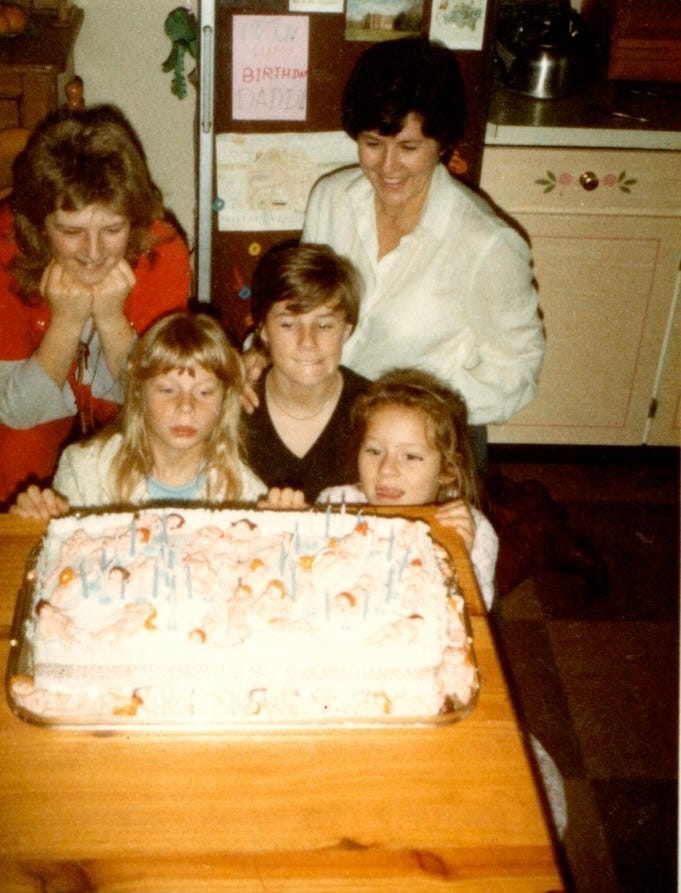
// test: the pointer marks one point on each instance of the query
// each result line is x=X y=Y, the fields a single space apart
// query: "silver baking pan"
x=20 y=667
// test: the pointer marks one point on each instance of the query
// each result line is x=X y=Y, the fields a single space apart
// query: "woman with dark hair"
x=87 y=261
x=448 y=285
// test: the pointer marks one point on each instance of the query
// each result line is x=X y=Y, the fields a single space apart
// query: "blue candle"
x=83 y=580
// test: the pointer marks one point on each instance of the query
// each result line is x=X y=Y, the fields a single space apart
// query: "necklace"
x=301 y=418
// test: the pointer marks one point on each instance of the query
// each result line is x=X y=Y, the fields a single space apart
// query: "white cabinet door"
x=606 y=263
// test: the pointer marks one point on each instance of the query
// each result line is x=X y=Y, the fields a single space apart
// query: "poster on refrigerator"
x=270 y=67
x=264 y=179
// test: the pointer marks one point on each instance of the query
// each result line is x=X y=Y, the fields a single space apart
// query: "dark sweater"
x=330 y=461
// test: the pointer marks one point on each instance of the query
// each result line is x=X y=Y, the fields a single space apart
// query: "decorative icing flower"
x=609 y=180
x=565 y=179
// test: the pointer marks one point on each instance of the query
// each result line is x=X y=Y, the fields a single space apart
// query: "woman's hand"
x=456 y=514
x=108 y=296
x=114 y=328
x=70 y=301
x=39 y=504
x=255 y=364
x=70 y=305
x=283 y=498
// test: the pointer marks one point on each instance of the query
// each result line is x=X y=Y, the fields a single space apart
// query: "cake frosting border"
x=20 y=659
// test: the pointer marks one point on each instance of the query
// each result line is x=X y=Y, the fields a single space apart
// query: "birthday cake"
x=212 y=616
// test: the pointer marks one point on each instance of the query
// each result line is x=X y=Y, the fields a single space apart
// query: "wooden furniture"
x=35 y=67
x=645 y=40
x=12 y=142
x=605 y=229
x=404 y=810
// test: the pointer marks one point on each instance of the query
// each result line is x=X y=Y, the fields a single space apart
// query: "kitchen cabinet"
x=605 y=230
x=35 y=67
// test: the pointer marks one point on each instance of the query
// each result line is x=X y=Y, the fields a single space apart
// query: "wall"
x=119 y=54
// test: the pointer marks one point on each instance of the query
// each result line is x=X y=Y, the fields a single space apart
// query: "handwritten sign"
x=269 y=76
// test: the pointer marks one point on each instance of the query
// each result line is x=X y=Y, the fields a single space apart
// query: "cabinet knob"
x=589 y=181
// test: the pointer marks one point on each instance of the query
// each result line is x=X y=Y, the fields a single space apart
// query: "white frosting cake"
x=230 y=615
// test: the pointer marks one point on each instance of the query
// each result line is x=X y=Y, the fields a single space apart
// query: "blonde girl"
x=176 y=438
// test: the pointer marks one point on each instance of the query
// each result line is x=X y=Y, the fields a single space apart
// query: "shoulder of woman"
x=338 y=180
x=354 y=382
x=7 y=244
x=6 y=219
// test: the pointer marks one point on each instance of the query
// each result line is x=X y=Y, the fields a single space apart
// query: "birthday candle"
x=133 y=536
x=83 y=580
x=188 y=572
x=389 y=588
x=293 y=580
x=328 y=517
x=391 y=544
x=155 y=590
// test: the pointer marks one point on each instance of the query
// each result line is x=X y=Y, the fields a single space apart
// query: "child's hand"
x=283 y=498
x=456 y=514
x=39 y=504
x=255 y=364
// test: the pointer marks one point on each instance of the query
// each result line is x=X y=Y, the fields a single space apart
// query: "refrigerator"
x=271 y=75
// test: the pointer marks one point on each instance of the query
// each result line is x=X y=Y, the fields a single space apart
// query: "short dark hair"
x=396 y=77
x=306 y=275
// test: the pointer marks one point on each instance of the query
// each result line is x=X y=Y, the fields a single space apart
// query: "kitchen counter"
x=601 y=114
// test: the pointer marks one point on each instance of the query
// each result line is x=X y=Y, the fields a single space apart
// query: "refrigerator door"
x=226 y=257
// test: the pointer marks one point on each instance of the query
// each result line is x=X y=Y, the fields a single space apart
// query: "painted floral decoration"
x=551 y=181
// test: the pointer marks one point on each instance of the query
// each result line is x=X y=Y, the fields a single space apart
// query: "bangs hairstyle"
x=446 y=418
x=88 y=157
x=306 y=276
x=182 y=341
x=396 y=77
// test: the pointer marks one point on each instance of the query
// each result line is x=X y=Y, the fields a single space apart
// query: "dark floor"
x=595 y=673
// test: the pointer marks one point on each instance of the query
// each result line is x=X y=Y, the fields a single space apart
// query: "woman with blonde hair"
x=176 y=438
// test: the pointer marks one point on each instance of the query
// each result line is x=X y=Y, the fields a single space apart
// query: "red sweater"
x=162 y=284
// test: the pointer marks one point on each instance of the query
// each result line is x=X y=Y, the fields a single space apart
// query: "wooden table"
x=398 y=810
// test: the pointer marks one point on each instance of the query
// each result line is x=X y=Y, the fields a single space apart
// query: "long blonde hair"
x=181 y=341
x=446 y=418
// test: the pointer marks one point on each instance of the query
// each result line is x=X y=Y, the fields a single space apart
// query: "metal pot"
x=543 y=71
x=540 y=48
